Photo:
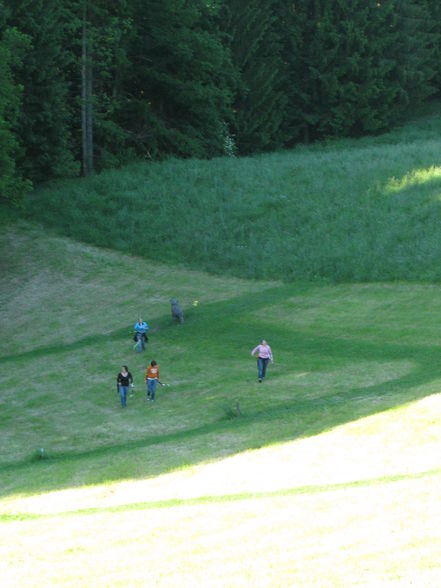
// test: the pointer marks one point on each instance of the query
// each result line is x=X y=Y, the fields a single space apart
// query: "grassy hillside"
x=342 y=353
x=353 y=210
x=330 y=471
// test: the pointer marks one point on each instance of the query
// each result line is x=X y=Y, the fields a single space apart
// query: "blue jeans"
x=123 y=391
x=151 y=388
x=140 y=337
x=261 y=366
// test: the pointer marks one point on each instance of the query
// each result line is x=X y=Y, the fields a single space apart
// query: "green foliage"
x=12 y=46
x=260 y=96
x=415 y=51
x=45 y=116
x=355 y=67
x=179 y=96
x=434 y=9
x=108 y=36
x=196 y=79
x=346 y=211
x=340 y=68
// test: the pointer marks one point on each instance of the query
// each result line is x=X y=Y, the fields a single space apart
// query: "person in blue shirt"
x=141 y=329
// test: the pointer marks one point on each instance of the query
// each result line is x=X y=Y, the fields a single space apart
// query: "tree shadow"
x=61 y=348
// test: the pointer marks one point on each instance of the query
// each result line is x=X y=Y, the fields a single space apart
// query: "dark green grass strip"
x=225 y=498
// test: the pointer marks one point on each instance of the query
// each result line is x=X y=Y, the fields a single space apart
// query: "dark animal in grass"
x=176 y=311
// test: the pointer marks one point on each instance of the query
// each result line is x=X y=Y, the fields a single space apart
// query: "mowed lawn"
x=328 y=476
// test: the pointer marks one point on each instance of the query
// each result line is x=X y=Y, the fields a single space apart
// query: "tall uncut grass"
x=352 y=210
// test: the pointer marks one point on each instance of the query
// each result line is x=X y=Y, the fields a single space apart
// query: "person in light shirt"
x=264 y=355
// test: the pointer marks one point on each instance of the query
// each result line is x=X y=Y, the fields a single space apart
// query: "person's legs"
x=153 y=388
x=139 y=340
x=123 y=395
x=143 y=341
x=264 y=366
x=147 y=388
x=150 y=389
x=260 y=368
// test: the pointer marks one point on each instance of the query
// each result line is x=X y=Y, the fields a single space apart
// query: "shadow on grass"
x=60 y=348
x=300 y=417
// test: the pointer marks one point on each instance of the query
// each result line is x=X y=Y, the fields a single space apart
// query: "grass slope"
x=352 y=210
x=329 y=477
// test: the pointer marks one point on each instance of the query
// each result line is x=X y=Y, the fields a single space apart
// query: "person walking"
x=123 y=381
x=141 y=328
x=151 y=380
x=264 y=355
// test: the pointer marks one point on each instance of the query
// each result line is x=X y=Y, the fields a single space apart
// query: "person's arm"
x=270 y=354
x=130 y=379
x=254 y=350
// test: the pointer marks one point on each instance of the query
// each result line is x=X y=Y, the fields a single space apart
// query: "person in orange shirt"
x=151 y=379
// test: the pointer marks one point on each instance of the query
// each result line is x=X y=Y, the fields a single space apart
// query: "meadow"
x=329 y=476
x=348 y=210
x=329 y=472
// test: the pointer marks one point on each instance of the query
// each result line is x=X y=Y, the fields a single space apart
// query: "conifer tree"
x=435 y=18
x=370 y=89
x=260 y=98
x=415 y=51
x=179 y=95
x=342 y=70
x=12 y=48
x=104 y=35
x=45 y=119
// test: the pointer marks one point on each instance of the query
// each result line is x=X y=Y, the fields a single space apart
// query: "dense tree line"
x=88 y=84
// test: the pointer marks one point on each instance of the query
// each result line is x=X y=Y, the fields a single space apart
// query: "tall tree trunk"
x=89 y=116
x=83 y=93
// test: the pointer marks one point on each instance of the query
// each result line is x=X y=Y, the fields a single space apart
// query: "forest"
x=89 y=84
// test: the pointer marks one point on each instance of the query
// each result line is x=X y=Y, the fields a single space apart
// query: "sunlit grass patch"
x=310 y=539
x=414 y=178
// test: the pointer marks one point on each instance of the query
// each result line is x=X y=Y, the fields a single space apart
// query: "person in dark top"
x=123 y=381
